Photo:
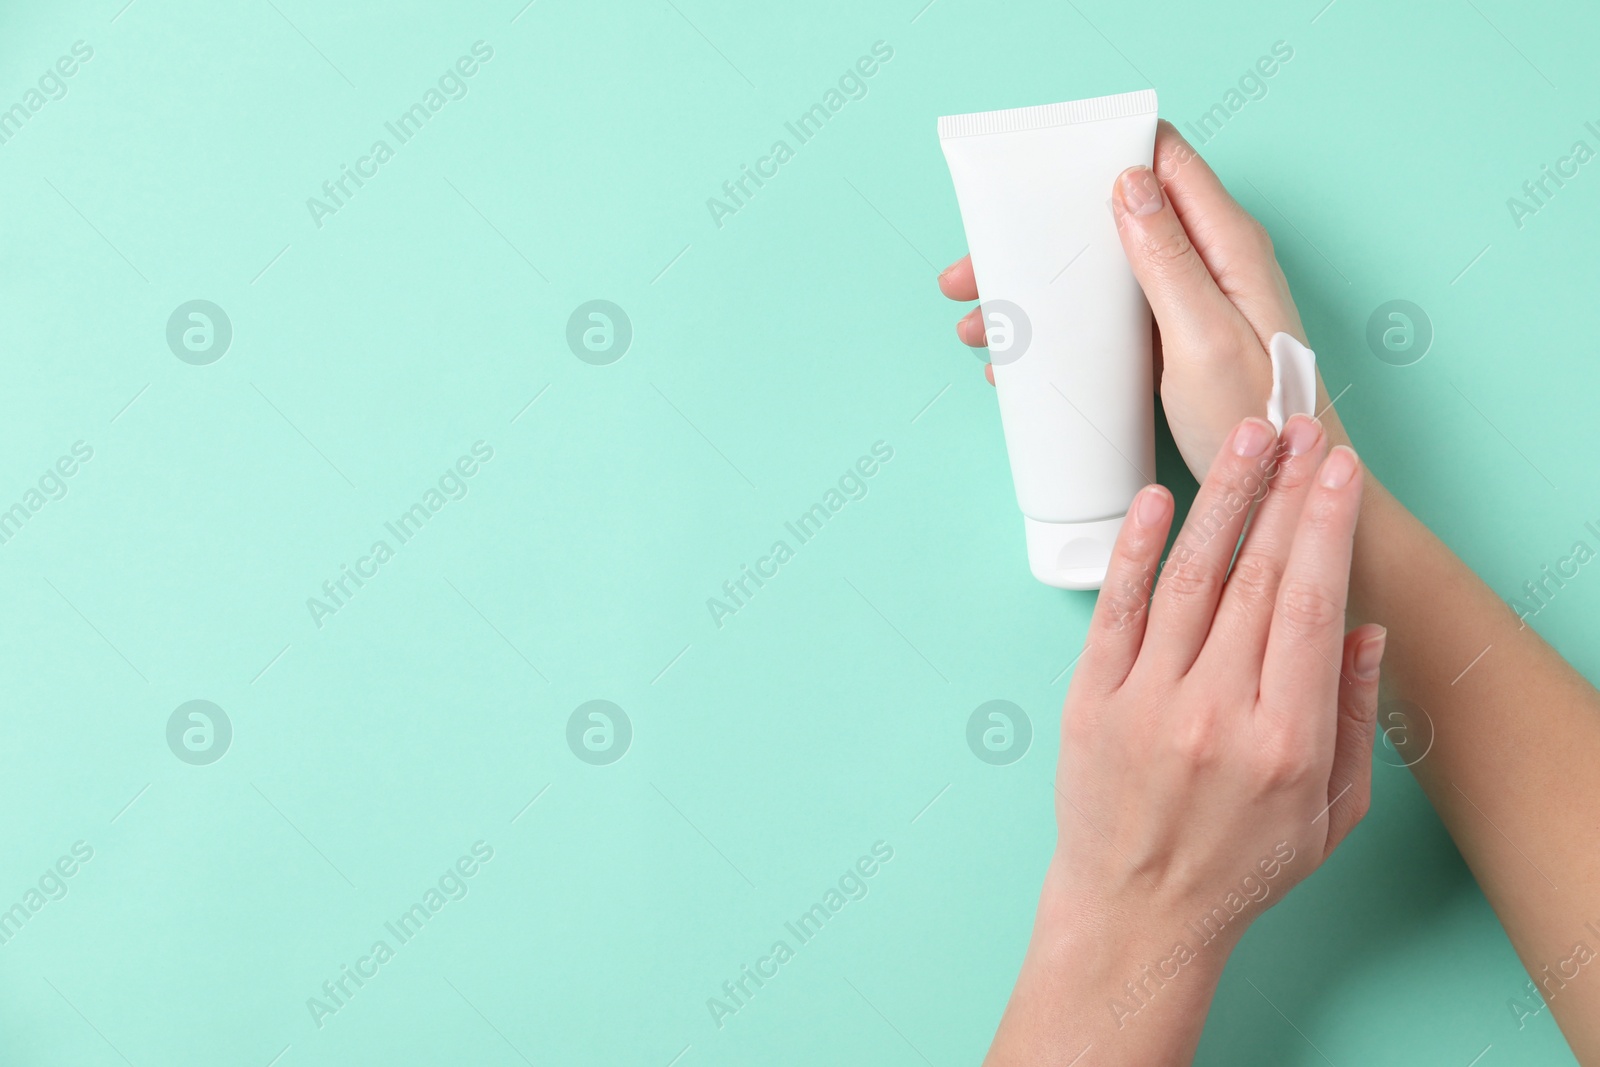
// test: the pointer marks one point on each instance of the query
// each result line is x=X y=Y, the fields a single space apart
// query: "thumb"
x=1194 y=315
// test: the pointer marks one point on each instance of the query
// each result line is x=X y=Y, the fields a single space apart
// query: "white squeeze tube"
x=1069 y=329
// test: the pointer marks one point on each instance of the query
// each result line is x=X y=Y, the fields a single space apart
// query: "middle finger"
x=1244 y=618
x=1196 y=568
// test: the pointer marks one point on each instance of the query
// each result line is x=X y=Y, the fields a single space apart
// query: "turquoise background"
x=768 y=355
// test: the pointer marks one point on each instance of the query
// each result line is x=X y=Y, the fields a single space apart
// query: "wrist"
x=1125 y=979
x=1132 y=957
x=1132 y=935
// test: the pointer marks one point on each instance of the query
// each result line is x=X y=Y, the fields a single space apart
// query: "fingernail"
x=1369 y=654
x=966 y=324
x=946 y=271
x=1301 y=434
x=1152 y=507
x=1141 y=193
x=1338 y=468
x=1252 y=438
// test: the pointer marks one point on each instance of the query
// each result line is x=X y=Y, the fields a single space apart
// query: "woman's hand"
x=1208 y=271
x=1228 y=719
x=1216 y=746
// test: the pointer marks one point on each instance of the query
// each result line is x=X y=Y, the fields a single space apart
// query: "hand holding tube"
x=1207 y=268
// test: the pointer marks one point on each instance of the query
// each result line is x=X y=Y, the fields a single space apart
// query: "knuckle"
x=1191 y=577
x=1125 y=601
x=1282 y=764
x=1168 y=249
x=1293 y=472
x=1256 y=576
x=1324 y=511
x=1196 y=739
x=1260 y=239
x=1308 y=605
x=1358 y=718
x=1318 y=513
x=1135 y=558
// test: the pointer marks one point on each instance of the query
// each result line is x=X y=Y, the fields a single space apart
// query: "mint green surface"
x=769 y=353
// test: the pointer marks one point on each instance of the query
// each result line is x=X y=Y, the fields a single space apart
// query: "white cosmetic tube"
x=1069 y=329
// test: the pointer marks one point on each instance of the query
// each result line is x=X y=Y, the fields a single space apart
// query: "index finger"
x=1306 y=644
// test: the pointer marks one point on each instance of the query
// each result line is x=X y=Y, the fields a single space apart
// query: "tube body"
x=1069 y=328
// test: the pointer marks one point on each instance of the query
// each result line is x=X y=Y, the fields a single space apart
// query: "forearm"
x=1108 y=990
x=1508 y=750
